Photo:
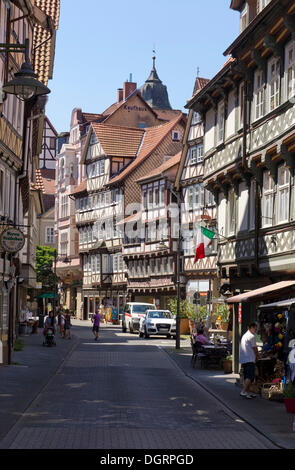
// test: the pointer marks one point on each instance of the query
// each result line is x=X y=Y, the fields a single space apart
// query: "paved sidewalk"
x=29 y=373
x=268 y=417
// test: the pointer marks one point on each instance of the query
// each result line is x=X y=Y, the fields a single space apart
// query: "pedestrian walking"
x=96 y=323
x=67 y=325
x=248 y=357
x=62 y=324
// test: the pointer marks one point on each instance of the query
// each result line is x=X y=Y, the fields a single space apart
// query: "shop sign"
x=240 y=313
x=12 y=240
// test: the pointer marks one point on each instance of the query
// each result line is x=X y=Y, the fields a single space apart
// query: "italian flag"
x=204 y=238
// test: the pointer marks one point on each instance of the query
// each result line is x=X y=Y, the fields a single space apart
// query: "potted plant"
x=187 y=314
x=227 y=364
x=223 y=316
x=289 y=397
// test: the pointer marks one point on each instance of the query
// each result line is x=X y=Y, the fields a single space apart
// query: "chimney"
x=128 y=88
x=120 y=94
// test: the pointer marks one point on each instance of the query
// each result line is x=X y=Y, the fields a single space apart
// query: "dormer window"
x=175 y=136
x=93 y=139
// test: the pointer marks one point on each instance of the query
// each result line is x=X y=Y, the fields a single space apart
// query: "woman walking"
x=67 y=326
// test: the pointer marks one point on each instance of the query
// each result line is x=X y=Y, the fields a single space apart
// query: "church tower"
x=154 y=92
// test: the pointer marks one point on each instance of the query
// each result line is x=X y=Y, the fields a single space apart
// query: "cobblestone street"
x=126 y=393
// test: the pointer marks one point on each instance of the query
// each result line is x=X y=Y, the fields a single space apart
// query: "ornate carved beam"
x=259 y=61
x=289 y=23
x=287 y=156
x=257 y=172
x=272 y=167
x=245 y=176
x=270 y=43
x=233 y=182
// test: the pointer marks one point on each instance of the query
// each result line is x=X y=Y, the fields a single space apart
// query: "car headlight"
x=150 y=323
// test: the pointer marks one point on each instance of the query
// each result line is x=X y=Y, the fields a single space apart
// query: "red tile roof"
x=91 y=117
x=43 y=42
x=49 y=186
x=172 y=161
x=117 y=140
x=153 y=136
x=81 y=188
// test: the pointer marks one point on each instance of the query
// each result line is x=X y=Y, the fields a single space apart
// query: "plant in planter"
x=227 y=364
x=222 y=315
x=289 y=397
x=187 y=313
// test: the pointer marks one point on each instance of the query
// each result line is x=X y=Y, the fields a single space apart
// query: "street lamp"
x=24 y=84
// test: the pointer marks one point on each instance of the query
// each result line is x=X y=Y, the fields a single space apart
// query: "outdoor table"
x=213 y=353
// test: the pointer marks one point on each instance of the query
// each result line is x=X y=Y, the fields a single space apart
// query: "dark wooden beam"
x=270 y=43
x=289 y=22
x=287 y=156
x=259 y=61
x=257 y=172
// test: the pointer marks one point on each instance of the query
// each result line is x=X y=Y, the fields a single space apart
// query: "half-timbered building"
x=21 y=126
x=151 y=238
x=198 y=206
x=249 y=115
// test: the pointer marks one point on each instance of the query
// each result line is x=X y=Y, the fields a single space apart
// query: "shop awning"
x=49 y=295
x=267 y=292
x=281 y=304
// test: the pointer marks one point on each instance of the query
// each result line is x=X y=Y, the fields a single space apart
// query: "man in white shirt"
x=248 y=357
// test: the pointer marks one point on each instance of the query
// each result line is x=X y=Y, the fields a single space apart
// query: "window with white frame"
x=220 y=122
x=196 y=154
x=62 y=168
x=64 y=206
x=196 y=119
x=259 y=94
x=49 y=235
x=261 y=4
x=283 y=189
x=195 y=196
x=209 y=198
x=267 y=199
x=274 y=84
x=232 y=213
x=290 y=70
x=63 y=244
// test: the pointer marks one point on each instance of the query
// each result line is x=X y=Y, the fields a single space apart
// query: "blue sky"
x=100 y=45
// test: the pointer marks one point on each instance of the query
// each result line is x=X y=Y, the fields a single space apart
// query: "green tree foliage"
x=45 y=268
x=187 y=310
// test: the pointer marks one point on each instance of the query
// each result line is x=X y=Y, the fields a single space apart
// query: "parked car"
x=133 y=312
x=157 y=322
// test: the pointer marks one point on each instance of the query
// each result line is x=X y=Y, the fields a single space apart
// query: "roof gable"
x=153 y=136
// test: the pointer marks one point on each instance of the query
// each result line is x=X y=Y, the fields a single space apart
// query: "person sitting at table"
x=200 y=337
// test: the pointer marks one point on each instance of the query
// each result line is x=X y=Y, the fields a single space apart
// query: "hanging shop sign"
x=12 y=240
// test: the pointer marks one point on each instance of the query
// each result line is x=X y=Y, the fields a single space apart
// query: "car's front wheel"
x=146 y=335
x=141 y=334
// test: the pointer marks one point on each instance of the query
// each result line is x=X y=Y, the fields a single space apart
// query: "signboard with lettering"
x=240 y=313
x=12 y=240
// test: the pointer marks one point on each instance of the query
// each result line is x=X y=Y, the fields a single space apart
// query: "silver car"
x=157 y=322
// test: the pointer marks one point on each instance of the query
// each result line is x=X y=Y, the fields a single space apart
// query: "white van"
x=133 y=312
